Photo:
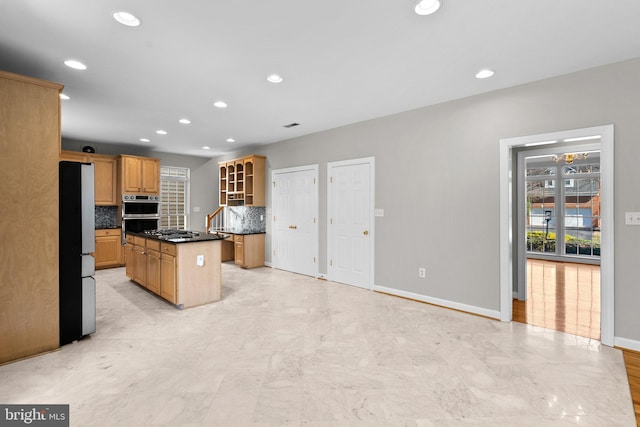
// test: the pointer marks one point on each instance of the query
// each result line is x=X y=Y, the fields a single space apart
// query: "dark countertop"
x=238 y=231
x=107 y=228
x=202 y=237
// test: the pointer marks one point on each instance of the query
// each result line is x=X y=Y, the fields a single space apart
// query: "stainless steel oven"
x=139 y=213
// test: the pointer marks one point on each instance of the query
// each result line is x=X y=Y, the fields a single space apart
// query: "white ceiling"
x=343 y=61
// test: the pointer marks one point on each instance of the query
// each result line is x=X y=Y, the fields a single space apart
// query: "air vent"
x=291 y=125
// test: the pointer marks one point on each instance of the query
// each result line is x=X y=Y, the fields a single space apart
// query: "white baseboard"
x=626 y=343
x=267 y=264
x=494 y=314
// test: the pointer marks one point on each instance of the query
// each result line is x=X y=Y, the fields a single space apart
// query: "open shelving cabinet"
x=242 y=181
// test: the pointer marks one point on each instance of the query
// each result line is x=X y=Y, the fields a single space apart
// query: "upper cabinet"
x=242 y=181
x=105 y=174
x=139 y=175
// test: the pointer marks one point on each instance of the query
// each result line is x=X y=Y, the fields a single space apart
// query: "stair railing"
x=215 y=222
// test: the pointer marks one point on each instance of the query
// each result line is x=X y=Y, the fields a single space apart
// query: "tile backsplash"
x=246 y=219
x=106 y=217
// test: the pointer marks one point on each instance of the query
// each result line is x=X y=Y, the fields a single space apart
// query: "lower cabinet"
x=168 y=277
x=238 y=246
x=186 y=275
x=108 y=248
x=153 y=266
x=129 y=257
x=249 y=250
x=140 y=261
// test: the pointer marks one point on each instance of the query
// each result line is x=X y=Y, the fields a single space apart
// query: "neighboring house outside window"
x=174 y=197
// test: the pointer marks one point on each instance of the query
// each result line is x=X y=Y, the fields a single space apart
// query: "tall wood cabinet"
x=139 y=175
x=105 y=174
x=242 y=181
x=30 y=150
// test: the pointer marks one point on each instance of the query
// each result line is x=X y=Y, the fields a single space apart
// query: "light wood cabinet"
x=242 y=181
x=105 y=174
x=249 y=250
x=238 y=245
x=139 y=175
x=168 y=276
x=29 y=152
x=140 y=261
x=153 y=266
x=170 y=269
x=105 y=180
x=129 y=257
x=108 y=248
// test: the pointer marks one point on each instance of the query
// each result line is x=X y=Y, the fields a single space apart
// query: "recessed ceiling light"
x=206 y=148
x=161 y=132
x=185 y=121
x=275 y=78
x=427 y=7
x=231 y=140
x=76 y=65
x=126 y=18
x=65 y=97
x=483 y=74
x=220 y=104
x=145 y=140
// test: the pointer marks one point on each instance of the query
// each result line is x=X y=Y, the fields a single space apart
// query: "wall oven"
x=139 y=213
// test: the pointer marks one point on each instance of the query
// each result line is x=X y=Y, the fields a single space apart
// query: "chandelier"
x=568 y=158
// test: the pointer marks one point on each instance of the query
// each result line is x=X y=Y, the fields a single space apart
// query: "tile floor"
x=284 y=349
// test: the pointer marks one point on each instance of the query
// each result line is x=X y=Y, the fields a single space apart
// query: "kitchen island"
x=181 y=267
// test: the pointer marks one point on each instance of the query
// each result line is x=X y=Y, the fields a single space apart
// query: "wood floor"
x=632 y=361
x=561 y=296
x=566 y=297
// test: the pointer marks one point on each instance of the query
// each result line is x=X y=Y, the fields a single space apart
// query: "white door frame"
x=508 y=227
x=372 y=174
x=315 y=169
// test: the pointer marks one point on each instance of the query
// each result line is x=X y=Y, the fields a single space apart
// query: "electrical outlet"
x=632 y=218
x=422 y=272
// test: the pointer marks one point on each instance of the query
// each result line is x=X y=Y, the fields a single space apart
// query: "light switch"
x=200 y=260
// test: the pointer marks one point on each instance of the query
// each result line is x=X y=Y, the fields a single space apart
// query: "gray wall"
x=437 y=179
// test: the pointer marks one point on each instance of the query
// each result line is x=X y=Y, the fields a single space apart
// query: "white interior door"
x=350 y=222
x=295 y=220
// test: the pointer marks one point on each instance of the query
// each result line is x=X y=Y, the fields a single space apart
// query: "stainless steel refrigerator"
x=77 y=242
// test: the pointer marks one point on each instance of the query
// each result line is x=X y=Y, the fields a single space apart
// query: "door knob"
x=365 y=232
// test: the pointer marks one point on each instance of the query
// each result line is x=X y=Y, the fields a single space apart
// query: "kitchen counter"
x=183 y=269
x=243 y=232
x=178 y=237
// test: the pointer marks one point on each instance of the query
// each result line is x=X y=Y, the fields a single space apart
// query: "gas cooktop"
x=172 y=233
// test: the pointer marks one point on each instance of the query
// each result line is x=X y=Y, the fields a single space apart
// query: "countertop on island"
x=180 y=238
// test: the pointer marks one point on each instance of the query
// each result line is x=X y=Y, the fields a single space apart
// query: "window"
x=174 y=195
x=571 y=227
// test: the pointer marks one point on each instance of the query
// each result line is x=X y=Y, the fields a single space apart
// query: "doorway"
x=513 y=240
x=350 y=236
